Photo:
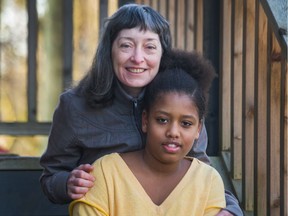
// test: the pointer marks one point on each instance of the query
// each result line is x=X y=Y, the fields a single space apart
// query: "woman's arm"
x=80 y=181
x=200 y=146
x=199 y=151
x=62 y=154
x=232 y=206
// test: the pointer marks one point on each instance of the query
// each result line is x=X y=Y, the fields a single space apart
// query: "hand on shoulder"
x=80 y=181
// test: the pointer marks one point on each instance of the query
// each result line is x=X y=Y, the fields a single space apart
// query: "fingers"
x=85 y=167
x=83 y=172
x=78 y=192
x=80 y=181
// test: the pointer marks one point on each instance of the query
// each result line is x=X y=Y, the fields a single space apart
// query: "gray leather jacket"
x=80 y=134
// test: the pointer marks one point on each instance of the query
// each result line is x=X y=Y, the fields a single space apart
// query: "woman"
x=103 y=113
x=160 y=179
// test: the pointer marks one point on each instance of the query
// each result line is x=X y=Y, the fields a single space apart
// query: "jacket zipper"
x=137 y=121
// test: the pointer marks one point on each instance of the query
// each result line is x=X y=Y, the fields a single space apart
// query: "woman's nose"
x=137 y=56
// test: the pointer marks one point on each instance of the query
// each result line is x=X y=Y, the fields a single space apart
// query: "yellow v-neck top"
x=117 y=192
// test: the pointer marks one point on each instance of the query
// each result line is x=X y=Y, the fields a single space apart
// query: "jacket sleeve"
x=61 y=155
x=199 y=151
x=232 y=204
x=199 y=147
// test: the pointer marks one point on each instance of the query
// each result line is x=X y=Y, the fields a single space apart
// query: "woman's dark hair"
x=97 y=86
x=183 y=72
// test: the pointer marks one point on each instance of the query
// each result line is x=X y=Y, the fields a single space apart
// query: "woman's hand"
x=224 y=213
x=80 y=181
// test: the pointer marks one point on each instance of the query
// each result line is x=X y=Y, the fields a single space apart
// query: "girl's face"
x=136 y=58
x=172 y=125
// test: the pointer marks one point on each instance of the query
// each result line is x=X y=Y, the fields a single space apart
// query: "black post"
x=67 y=42
x=211 y=51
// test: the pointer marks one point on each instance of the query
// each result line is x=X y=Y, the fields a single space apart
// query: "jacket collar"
x=123 y=97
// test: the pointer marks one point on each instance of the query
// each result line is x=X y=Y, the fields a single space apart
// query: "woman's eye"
x=125 y=45
x=151 y=47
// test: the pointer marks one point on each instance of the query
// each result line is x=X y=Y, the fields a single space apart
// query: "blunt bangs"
x=133 y=15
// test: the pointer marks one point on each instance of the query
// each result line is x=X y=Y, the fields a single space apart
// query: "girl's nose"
x=137 y=56
x=173 y=131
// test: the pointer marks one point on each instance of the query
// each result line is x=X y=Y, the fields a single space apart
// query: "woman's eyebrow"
x=131 y=38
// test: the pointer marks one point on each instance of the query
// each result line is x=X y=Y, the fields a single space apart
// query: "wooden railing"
x=57 y=56
x=194 y=27
x=186 y=21
x=254 y=104
x=253 y=87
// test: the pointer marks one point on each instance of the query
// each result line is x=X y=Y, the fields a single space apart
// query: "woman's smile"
x=136 y=70
x=136 y=58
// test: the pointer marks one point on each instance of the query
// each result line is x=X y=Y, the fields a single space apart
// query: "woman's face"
x=136 y=58
x=172 y=125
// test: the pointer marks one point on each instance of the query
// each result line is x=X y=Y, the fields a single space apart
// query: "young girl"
x=161 y=179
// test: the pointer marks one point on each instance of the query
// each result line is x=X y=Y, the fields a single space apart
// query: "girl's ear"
x=144 y=121
x=199 y=129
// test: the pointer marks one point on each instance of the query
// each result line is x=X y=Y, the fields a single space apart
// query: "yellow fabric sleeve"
x=92 y=204
x=85 y=208
x=214 y=200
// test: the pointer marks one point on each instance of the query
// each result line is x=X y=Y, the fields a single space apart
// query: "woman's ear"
x=144 y=121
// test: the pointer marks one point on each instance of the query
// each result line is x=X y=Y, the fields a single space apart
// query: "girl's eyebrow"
x=184 y=116
x=189 y=116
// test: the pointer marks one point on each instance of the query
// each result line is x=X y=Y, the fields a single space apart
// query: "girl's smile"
x=171 y=147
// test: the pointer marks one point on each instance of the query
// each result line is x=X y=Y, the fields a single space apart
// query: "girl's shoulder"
x=200 y=165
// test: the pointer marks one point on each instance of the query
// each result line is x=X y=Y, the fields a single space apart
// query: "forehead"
x=137 y=33
x=174 y=102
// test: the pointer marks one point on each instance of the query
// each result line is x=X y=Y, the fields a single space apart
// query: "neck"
x=132 y=91
x=162 y=168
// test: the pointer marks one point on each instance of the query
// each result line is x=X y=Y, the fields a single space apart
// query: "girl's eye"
x=187 y=123
x=162 y=120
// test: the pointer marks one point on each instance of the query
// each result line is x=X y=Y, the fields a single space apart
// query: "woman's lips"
x=136 y=70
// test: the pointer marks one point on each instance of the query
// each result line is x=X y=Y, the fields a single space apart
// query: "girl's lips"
x=172 y=147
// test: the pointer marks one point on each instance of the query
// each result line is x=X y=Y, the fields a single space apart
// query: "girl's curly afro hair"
x=193 y=63
x=183 y=71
